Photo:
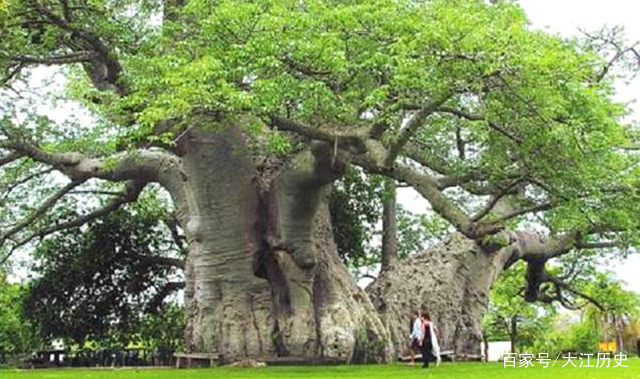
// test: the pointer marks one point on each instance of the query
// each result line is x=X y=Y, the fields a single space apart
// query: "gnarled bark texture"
x=451 y=281
x=263 y=275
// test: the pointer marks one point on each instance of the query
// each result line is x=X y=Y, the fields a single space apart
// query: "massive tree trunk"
x=263 y=275
x=264 y=278
x=451 y=281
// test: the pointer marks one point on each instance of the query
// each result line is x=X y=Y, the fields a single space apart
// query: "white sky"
x=566 y=17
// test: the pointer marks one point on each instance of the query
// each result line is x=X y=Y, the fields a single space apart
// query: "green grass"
x=445 y=371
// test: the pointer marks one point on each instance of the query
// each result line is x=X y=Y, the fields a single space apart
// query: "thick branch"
x=164 y=261
x=413 y=125
x=11 y=157
x=130 y=195
x=318 y=165
x=162 y=294
x=42 y=209
x=427 y=186
x=537 y=275
x=75 y=57
x=103 y=68
x=352 y=141
x=145 y=165
x=534 y=247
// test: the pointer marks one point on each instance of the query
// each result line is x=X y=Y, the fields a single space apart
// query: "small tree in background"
x=101 y=284
x=17 y=336
x=510 y=317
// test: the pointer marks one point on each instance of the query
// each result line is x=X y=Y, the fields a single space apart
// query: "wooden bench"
x=210 y=358
x=445 y=355
x=301 y=361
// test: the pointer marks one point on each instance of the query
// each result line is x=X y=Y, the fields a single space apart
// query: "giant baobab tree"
x=247 y=112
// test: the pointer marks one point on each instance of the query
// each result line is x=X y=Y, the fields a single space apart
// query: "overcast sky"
x=566 y=17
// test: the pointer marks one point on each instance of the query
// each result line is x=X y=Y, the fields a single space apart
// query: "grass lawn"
x=397 y=371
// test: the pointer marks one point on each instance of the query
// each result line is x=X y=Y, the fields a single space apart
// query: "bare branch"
x=612 y=39
x=12 y=72
x=96 y=192
x=104 y=70
x=477 y=117
x=24 y=180
x=537 y=274
x=427 y=186
x=74 y=57
x=158 y=260
x=494 y=200
x=11 y=157
x=533 y=209
x=145 y=165
x=561 y=285
x=162 y=294
x=42 y=209
x=450 y=178
x=416 y=121
x=352 y=140
x=130 y=195
x=533 y=247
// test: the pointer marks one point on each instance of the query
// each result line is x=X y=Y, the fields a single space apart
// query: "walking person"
x=430 y=348
x=415 y=337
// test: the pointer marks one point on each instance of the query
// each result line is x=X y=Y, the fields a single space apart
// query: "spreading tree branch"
x=146 y=165
x=489 y=206
x=427 y=186
x=42 y=209
x=98 y=59
x=350 y=141
x=412 y=126
x=523 y=211
x=9 y=158
x=162 y=294
x=130 y=195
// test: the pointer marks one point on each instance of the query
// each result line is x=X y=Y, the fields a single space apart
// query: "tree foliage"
x=511 y=318
x=98 y=282
x=17 y=336
x=355 y=206
x=499 y=127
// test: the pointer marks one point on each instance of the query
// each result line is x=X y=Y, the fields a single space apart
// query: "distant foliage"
x=356 y=207
x=16 y=334
x=98 y=284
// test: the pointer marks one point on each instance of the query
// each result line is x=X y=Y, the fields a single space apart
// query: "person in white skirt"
x=430 y=347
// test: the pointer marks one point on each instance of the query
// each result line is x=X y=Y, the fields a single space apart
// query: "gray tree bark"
x=263 y=277
x=451 y=281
